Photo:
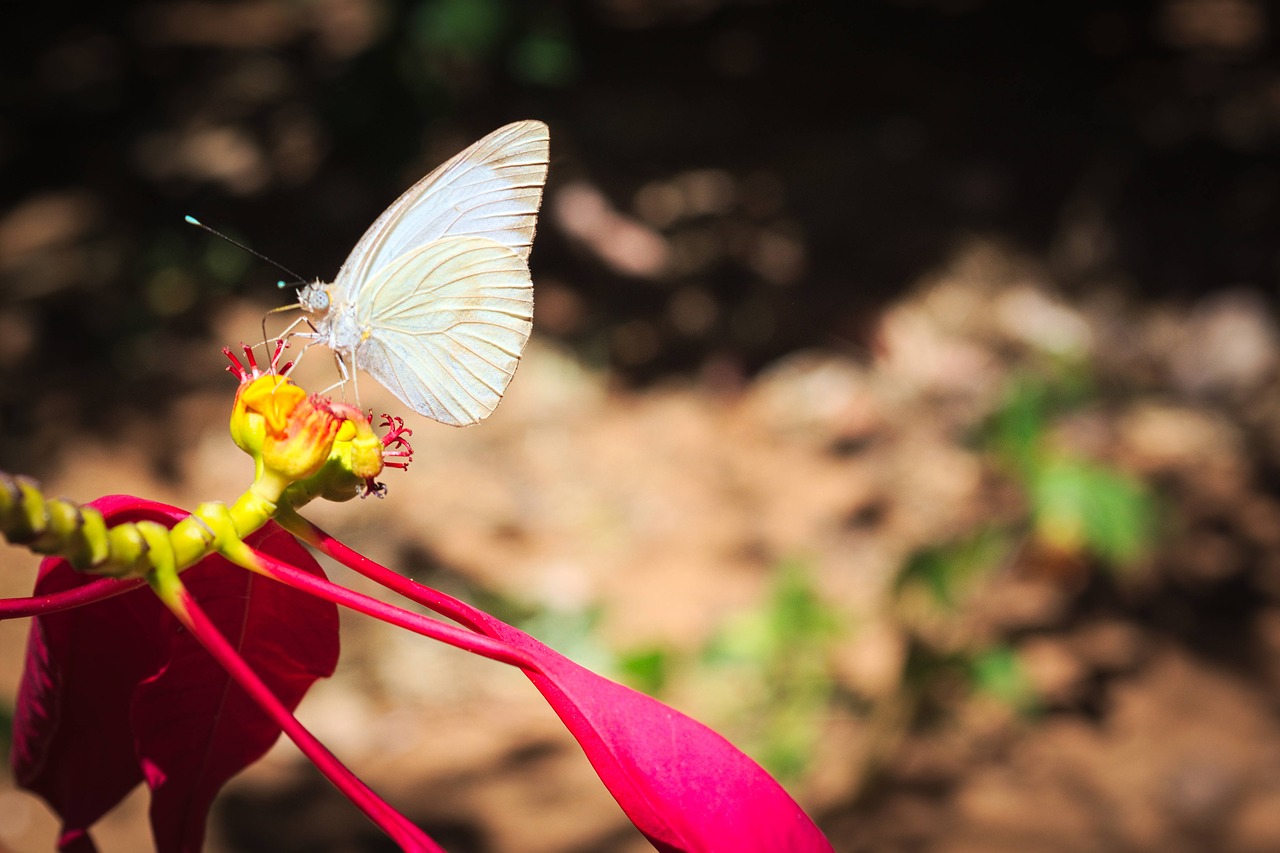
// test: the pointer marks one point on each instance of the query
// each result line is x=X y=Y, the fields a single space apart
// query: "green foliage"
x=764 y=674
x=573 y=632
x=1076 y=506
x=647 y=670
x=531 y=40
x=947 y=570
x=1073 y=507
x=180 y=266
x=544 y=58
x=936 y=680
x=469 y=29
x=1017 y=431
x=1080 y=506
x=781 y=634
x=997 y=672
x=772 y=664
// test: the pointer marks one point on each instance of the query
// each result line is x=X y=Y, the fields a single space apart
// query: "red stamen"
x=252 y=371
x=395 y=442
x=275 y=358
x=235 y=368
x=253 y=362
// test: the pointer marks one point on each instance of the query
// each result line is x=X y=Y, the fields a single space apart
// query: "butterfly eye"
x=314 y=297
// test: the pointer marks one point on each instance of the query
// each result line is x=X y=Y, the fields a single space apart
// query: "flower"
x=310 y=443
x=116 y=693
x=121 y=686
x=143 y=705
x=298 y=431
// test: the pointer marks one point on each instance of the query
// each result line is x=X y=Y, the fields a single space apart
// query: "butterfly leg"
x=294 y=364
x=283 y=339
x=347 y=375
x=288 y=332
x=312 y=341
x=355 y=385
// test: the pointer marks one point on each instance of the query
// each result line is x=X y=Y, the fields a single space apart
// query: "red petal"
x=684 y=786
x=115 y=692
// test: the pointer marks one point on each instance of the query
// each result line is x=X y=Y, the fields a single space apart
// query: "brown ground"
x=616 y=521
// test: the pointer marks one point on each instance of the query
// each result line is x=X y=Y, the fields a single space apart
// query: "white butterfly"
x=435 y=301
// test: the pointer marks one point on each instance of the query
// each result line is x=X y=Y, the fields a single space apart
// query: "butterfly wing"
x=492 y=189
x=445 y=325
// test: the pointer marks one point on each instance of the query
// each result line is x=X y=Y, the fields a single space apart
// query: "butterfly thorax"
x=334 y=320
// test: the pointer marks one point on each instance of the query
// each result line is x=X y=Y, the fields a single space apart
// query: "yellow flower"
x=318 y=447
x=289 y=435
x=263 y=403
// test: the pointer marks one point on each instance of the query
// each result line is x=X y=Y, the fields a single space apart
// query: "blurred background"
x=902 y=399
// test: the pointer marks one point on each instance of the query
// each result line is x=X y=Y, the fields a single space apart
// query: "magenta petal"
x=684 y=786
x=116 y=692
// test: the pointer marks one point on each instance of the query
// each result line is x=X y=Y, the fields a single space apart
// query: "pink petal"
x=684 y=786
x=115 y=692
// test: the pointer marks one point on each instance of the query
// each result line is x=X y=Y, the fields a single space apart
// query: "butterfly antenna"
x=191 y=220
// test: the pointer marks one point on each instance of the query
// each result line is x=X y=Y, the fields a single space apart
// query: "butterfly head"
x=315 y=298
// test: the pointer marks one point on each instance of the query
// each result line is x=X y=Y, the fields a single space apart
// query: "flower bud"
x=305 y=441
x=361 y=445
x=262 y=404
x=311 y=446
x=289 y=434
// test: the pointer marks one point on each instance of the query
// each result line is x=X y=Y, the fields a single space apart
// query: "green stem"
x=61 y=528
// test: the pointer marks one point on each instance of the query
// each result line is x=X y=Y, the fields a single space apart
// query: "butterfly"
x=436 y=300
